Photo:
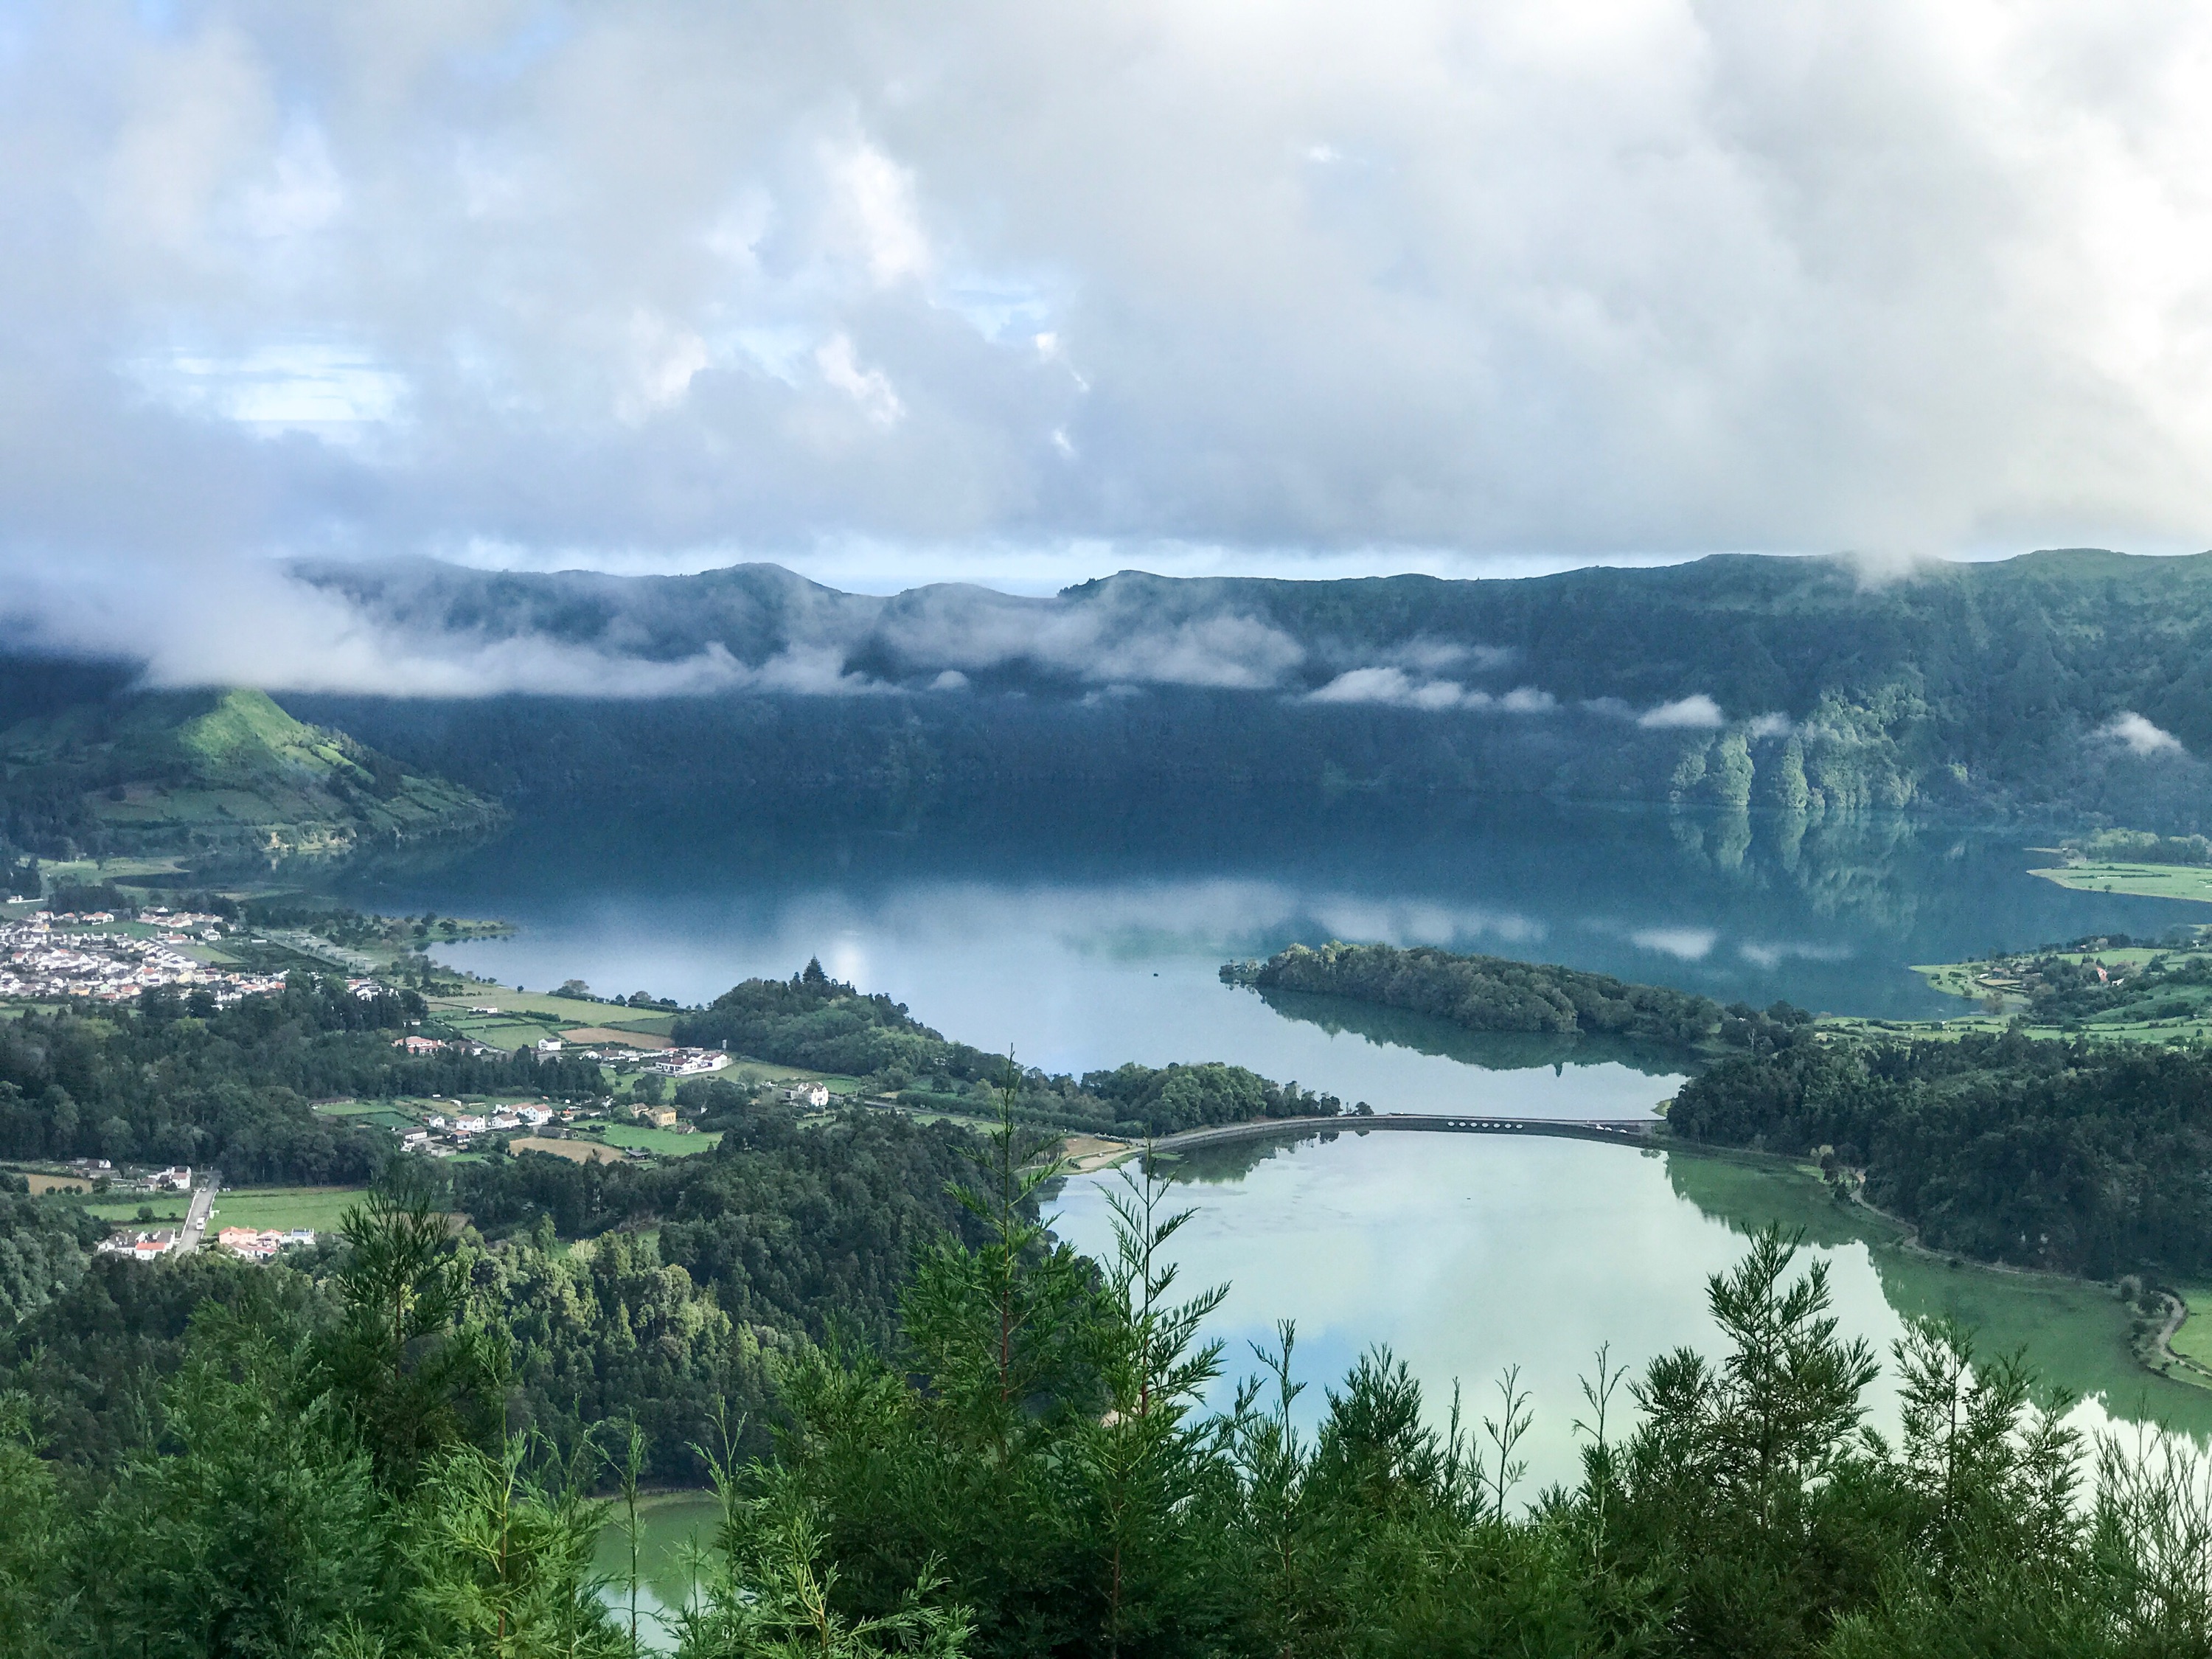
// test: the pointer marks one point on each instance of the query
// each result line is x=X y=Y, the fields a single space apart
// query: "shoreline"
x=2152 y=1353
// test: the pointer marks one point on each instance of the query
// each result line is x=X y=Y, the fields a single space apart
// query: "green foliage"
x=2078 y=1156
x=814 y=1021
x=1493 y=993
x=1034 y=1469
x=818 y=1022
x=225 y=779
x=607 y=1332
x=2139 y=847
x=500 y=1559
x=43 y=1246
x=34 y=1599
x=251 y=1529
x=177 y=1081
x=409 y=1379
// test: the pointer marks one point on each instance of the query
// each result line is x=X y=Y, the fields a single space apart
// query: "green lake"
x=1466 y=1254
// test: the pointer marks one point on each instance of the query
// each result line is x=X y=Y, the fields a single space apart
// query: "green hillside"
x=214 y=781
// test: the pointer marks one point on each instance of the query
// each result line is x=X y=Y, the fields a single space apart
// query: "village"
x=101 y=957
x=92 y=955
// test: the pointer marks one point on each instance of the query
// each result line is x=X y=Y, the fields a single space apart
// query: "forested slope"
x=1497 y=994
x=1808 y=685
x=224 y=780
x=2081 y=1156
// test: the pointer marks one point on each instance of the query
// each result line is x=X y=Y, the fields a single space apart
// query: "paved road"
x=194 y=1233
x=1463 y=1123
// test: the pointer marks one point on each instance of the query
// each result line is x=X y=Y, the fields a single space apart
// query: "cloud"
x=1775 y=954
x=1400 y=283
x=1768 y=726
x=1396 y=686
x=2140 y=736
x=1686 y=944
x=1696 y=712
x=1527 y=700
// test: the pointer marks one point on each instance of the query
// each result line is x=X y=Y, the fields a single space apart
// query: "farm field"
x=635 y=1039
x=166 y=1206
x=2173 y=881
x=54 y=1183
x=665 y=1142
x=2193 y=1341
x=285 y=1207
x=568 y=1010
x=576 y=1152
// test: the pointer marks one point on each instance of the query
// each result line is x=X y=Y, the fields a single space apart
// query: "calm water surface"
x=1092 y=938
x=1465 y=1254
x=1090 y=934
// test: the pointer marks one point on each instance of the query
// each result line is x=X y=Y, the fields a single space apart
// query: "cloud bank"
x=682 y=283
x=2141 y=736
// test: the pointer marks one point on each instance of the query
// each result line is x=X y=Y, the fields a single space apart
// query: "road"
x=1638 y=1128
x=194 y=1231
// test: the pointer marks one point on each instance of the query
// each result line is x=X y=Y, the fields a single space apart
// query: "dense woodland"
x=2139 y=847
x=2087 y=1157
x=936 y=1429
x=1493 y=994
x=386 y=1458
x=1981 y=686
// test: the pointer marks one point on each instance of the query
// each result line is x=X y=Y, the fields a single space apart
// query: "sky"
x=1023 y=294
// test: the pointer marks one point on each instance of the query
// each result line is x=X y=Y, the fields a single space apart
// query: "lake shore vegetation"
x=347 y=1461
x=1497 y=993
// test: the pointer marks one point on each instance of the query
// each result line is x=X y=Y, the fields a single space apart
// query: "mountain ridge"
x=219 y=780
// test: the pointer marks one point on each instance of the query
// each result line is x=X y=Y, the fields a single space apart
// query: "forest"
x=1494 y=994
x=386 y=1457
x=2078 y=1155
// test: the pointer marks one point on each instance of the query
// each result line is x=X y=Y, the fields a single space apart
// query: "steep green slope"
x=217 y=779
x=2067 y=684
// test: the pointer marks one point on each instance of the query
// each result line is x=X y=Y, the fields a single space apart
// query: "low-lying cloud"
x=1395 y=687
x=1684 y=944
x=1696 y=712
x=2141 y=736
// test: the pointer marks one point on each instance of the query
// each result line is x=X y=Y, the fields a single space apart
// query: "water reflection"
x=1083 y=935
x=1492 y=1051
x=1466 y=1254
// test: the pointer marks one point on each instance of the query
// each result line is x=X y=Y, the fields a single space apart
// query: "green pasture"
x=664 y=1143
x=285 y=1207
x=2173 y=881
x=2193 y=1341
x=166 y=1207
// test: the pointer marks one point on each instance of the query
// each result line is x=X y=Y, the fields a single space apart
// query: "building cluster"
x=179 y=923
x=259 y=1244
x=145 y=1244
x=422 y=1045
x=690 y=1062
x=443 y=1134
x=46 y=955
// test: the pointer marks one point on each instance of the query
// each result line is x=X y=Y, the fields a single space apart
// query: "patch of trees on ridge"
x=2076 y=1156
x=1494 y=994
x=823 y=1025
